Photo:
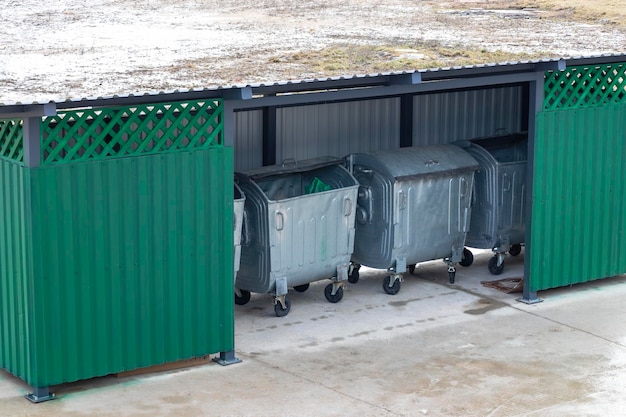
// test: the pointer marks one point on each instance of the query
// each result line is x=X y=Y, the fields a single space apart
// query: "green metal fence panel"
x=579 y=196
x=116 y=252
x=12 y=140
x=132 y=263
x=585 y=86
x=14 y=296
x=96 y=134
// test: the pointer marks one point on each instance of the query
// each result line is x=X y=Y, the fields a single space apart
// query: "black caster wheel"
x=515 y=250
x=279 y=310
x=353 y=278
x=301 y=288
x=328 y=293
x=468 y=258
x=451 y=276
x=493 y=266
x=242 y=299
x=391 y=290
x=411 y=268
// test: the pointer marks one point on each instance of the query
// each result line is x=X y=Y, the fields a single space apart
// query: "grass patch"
x=585 y=11
x=367 y=59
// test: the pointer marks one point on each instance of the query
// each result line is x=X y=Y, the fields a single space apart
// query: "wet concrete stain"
x=292 y=323
x=490 y=305
x=403 y=303
x=177 y=399
x=319 y=318
x=337 y=339
x=362 y=333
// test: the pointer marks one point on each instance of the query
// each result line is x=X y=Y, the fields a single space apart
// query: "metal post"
x=32 y=159
x=32 y=141
x=39 y=395
x=535 y=104
x=269 y=136
x=228 y=125
x=227 y=358
x=406 y=120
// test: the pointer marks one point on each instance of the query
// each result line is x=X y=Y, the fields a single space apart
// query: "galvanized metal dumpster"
x=498 y=208
x=298 y=228
x=413 y=206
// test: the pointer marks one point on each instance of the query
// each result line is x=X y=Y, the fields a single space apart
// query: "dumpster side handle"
x=280 y=220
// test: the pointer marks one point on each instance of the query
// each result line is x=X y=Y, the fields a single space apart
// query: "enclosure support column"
x=406 y=120
x=269 y=136
x=535 y=104
x=32 y=142
x=32 y=159
x=227 y=358
x=228 y=126
x=40 y=395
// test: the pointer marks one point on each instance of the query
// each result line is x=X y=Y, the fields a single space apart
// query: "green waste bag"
x=317 y=186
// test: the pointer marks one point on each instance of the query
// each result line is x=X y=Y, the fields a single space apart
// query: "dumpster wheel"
x=338 y=289
x=302 y=288
x=353 y=273
x=493 y=266
x=515 y=250
x=451 y=273
x=392 y=289
x=242 y=297
x=282 y=305
x=468 y=258
x=411 y=268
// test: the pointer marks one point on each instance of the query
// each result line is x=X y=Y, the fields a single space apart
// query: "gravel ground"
x=73 y=49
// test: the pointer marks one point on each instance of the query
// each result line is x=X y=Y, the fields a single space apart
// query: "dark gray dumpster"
x=413 y=206
x=498 y=208
x=298 y=228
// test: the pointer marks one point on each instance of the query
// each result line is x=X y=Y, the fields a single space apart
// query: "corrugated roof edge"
x=318 y=83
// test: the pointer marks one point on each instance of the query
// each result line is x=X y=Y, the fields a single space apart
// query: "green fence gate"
x=579 y=191
x=116 y=242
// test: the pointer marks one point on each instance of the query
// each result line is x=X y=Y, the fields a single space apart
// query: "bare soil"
x=73 y=49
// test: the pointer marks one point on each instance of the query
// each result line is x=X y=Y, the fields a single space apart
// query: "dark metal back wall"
x=337 y=129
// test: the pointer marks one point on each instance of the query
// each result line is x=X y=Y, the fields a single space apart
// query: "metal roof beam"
x=384 y=91
x=597 y=60
x=559 y=65
x=25 y=111
x=407 y=79
x=358 y=81
x=243 y=93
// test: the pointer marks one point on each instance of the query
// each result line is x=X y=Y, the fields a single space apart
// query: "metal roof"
x=357 y=86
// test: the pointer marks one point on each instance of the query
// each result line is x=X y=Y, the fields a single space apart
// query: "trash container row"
x=324 y=218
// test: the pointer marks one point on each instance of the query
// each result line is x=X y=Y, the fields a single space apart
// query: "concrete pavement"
x=433 y=349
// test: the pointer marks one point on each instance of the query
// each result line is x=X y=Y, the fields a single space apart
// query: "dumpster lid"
x=291 y=166
x=415 y=161
x=503 y=140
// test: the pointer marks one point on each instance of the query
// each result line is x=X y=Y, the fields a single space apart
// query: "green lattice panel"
x=585 y=86
x=95 y=134
x=12 y=140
